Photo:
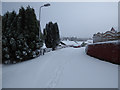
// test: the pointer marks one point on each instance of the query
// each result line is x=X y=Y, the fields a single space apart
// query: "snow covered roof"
x=114 y=28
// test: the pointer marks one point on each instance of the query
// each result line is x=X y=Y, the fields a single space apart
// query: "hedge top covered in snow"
x=113 y=42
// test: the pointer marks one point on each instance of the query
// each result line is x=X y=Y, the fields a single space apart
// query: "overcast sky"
x=81 y=19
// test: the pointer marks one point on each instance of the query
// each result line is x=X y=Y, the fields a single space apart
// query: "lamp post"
x=45 y=5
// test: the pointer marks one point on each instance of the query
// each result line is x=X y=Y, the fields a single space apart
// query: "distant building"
x=107 y=36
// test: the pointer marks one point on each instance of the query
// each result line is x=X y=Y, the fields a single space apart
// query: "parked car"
x=76 y=46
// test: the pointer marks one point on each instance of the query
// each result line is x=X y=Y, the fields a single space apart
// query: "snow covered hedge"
x=108 y=51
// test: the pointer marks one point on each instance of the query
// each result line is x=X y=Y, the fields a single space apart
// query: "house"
x=107 y=36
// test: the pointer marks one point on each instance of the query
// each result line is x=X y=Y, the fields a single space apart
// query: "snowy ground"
x=64 y=68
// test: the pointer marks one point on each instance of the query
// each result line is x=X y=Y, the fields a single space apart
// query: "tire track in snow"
x=58 y=72
x=56 y=76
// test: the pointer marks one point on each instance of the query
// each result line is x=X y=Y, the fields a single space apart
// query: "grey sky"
x=81 y=19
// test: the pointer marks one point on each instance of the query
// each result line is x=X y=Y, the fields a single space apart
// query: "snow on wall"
x=108 y=51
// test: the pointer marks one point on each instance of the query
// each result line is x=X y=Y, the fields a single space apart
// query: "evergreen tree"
x=21 y=20
x=51 y=33
x=32 y=27
x=8 y=32
x=83 y=44
x=20 y=35
x=4 y=23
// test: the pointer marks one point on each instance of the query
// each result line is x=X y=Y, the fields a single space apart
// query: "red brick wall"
x=105 y=51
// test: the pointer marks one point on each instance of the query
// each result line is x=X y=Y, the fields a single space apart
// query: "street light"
x=45 y=5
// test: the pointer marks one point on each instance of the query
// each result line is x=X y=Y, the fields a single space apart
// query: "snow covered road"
x=64 y=68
